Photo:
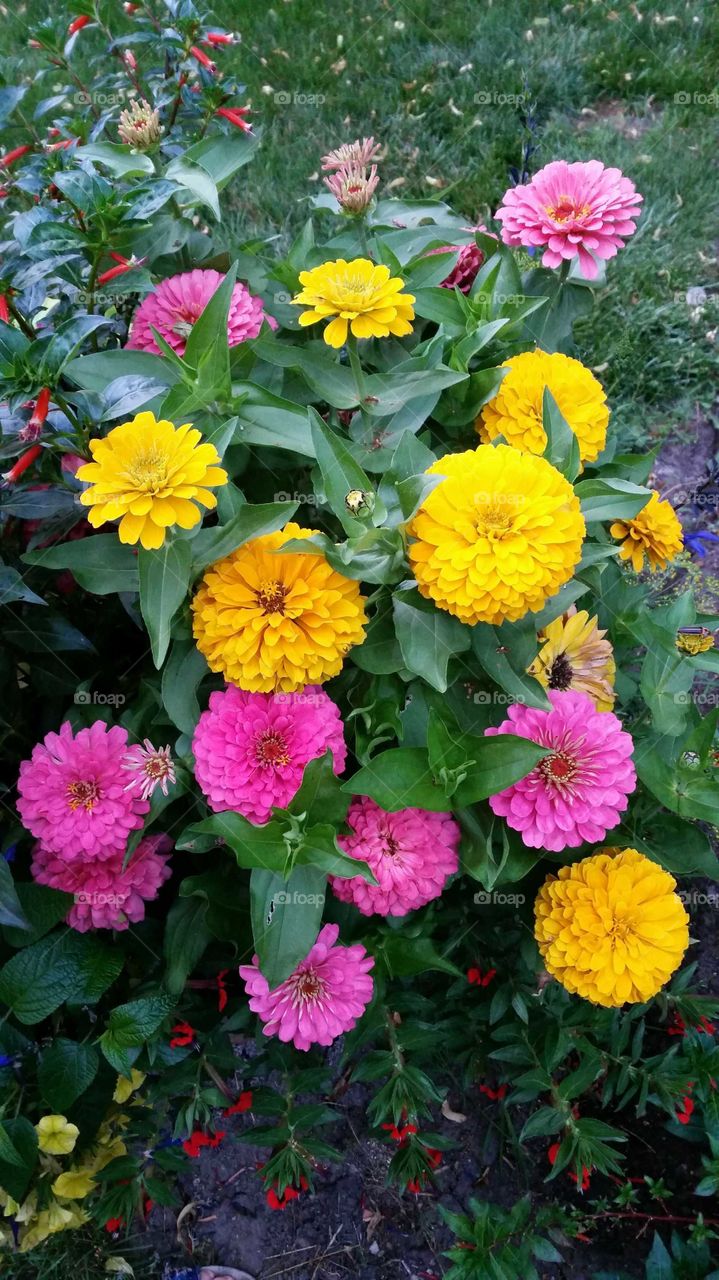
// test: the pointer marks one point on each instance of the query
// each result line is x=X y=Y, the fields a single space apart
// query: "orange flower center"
x=271 y=597
x=271 y=749
x=567 y=210
x=83 y=794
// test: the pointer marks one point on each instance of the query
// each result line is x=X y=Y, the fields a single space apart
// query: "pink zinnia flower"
x=573 y=209
x=151 y=767
x=174 y=306
x=412 y=854
x=328 y=991
x=251 y=748
x=107 y=896
x=72 y=793
x=469 y=259
x=357 y=154
x=579 y=791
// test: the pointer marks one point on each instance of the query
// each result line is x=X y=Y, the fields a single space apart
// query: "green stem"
x=356 y=367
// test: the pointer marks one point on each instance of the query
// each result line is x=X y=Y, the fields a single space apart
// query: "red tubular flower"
x=114 y=1224
x=193 y=1145
x=494 y=1095
x=129 y=59
x=705 y=1025
x=34 y=44
x=183 y=1034
x=61 y=146
x=290 y=1193
x=685 y=1111
x=219 y=38
x=4 y=310
x=235 y=117
x=200 y=56
x=476 y=978
x=243 y=1103
x=221 y=990
x=123 y=265
x=11 y=156
x=552 y=1156
x=24 y=461
x=131 y=8
x=33 y=427
x=77 y=24
x=400 y=1135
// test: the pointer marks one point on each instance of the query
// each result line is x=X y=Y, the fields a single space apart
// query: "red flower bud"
x=11 y=156
x=203 y=59
x=77 y=24
x=219 y=38
x=24 y=461
x=235 y=117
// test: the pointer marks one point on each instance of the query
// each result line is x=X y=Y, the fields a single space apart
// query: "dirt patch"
x=618 y=116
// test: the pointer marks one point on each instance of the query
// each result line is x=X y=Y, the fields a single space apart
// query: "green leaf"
x=15 y=1178
x=222 y=154
x=101 y=564
x=181 y=676
x=11 y=912
x=42 y=908
x=63 y=966
x=121 y=160
x=476 y=768
x=331 y=381
x=207 y=349
x=186 y=938
x=286 y=919
x=404 y=956
x=562 y=445
x=195 y=179
x=399 y=779
x=340 y=472
x=505 y=653
x=251 y=521
x=134 y=1023
x=164 y=584
x=610 y=499
x=66 y=1069
x=253 y=846
x=428 y=638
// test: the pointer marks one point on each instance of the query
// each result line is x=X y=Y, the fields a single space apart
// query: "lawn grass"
x=461 y=96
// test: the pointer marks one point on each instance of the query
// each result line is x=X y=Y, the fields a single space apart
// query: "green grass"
x=455 y=93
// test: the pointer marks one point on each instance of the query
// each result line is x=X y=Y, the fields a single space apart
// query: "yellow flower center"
x=567 y=210
x=271 y=597
x=83 y=794
x=271 y=749
x=148 y=472
x=494 y=519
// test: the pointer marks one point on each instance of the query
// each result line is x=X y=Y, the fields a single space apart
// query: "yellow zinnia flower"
x=654 y=532
x=149 y=475
x=694 y=643
x=56 y=1135
x=358 y=294
x=125 y=1088
x=611 y=928
x=498 y=536
x=516 y=410
x=576 y=655
x=74 y=1185
x=275 y=623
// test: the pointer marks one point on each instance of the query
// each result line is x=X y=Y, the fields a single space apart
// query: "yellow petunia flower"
x=275 y=623
x=149 y=475
x=499 y=535
x=576 y=655
x=125 y=1088
x=611 y=928
x=74 y=1185
x=56 y=1135
x=517 y=409
x=51 y=1220
x=357 y=295
x=655 y=533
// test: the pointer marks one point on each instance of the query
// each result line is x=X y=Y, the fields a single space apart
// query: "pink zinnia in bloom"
x=328 y=991
x=151 y=767
x=579 y=791
x=412 y=854
x=573 y=210
x=251 y=748
x=174 y=306
x=357 y=154
x=106 y=895
x=72 y=793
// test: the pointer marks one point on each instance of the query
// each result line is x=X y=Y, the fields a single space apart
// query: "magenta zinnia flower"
x=579 y=791
x=328 y=991
x=573 y=209
x=72 y=793
x=412 y=854
x=174 y=306
x=107 y=896
x=469 y=259
x=251 y=748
